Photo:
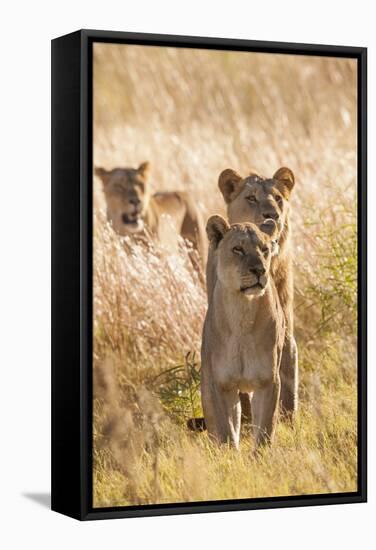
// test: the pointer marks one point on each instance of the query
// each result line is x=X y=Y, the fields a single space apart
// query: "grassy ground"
x=192 y=114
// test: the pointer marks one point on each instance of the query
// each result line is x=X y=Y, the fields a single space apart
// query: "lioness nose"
x=273 y=215
x=257 y=270
x=135 y=201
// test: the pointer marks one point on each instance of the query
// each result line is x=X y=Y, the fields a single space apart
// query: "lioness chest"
x=244 y=361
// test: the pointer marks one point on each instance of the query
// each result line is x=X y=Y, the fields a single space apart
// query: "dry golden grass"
x=191 y=114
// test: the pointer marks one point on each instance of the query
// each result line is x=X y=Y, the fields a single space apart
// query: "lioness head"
x=125 y=190
x=255 y=198
x=244 y=252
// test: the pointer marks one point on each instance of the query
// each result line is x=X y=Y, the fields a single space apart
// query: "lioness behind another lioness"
x=131 y=207
x=253 y=199
x=243 y=333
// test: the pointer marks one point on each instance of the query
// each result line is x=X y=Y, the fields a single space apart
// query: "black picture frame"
x=72 y=157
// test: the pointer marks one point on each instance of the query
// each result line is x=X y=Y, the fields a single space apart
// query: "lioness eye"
x=279 y=199
x=265 y=251
x=238 y=250
x=251 y=198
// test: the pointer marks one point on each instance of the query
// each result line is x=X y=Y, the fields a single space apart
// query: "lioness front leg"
x=289 y=377
x=222 y=414
x=265 y=411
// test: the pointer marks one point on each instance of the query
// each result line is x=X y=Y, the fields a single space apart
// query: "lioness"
x=131 y=207
x=254 y=199
x=244 y=331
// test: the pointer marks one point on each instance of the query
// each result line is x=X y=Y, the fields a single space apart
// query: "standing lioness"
x=243 y=333
x=254 y=199
x=131 y=207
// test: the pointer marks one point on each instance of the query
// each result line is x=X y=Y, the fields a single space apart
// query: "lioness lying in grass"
x=244 y=331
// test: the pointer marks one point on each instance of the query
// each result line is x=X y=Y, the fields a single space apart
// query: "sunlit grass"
x=192 y=114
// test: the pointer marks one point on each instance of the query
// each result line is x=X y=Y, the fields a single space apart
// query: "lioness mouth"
x=129 y=220
x=246 y=289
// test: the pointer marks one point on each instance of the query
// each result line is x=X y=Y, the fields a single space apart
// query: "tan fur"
x=252 y=199
x=131 y=209
x=243 y=333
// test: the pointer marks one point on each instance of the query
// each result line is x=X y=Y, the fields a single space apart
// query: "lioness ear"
x=144 y=169
x=102 y=174
x=286 y=177
x=229 y=183
x=216 y=228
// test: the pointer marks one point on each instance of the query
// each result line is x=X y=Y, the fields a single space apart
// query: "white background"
x=27 y=28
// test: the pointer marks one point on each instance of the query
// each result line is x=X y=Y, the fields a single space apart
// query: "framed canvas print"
x=208 y=274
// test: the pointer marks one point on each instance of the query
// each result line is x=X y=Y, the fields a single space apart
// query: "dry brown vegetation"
x=191 y=114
